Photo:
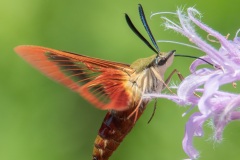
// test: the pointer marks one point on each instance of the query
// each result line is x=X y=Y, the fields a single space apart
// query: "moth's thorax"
x=146 y=81
x=149 y=75
x=141 y=64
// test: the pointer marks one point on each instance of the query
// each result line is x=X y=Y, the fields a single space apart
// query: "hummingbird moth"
x=112 y=86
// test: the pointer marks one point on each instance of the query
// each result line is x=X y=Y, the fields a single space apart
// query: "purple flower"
x=215 y=104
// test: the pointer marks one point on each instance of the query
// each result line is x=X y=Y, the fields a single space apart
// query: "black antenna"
x=145 y=24
x=134 y=29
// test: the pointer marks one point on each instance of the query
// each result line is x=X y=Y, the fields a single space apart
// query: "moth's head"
x=163 y=58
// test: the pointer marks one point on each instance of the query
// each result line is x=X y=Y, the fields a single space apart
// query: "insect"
x=112 y=86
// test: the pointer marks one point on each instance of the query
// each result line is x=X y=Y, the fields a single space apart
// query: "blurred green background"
x=42 y=120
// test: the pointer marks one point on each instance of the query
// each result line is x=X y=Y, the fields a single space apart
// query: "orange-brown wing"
x=103 y=83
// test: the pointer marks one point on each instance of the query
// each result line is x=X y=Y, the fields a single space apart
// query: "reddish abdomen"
x=114 y=128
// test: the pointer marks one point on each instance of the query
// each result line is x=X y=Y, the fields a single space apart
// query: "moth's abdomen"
x=114 y=128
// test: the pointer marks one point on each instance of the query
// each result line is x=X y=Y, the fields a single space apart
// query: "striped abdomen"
x=114 y=128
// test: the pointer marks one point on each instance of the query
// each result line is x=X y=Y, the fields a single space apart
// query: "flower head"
x=213 y=103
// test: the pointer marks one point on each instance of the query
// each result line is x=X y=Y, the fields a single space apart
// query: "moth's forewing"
x=103 y=83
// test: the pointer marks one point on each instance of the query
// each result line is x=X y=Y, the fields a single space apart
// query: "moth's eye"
x=162 y=61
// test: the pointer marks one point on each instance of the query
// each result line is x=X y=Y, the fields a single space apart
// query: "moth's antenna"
x=145 y=24
x=134 y=29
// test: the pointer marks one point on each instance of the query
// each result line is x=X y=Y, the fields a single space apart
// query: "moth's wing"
x=103 y=83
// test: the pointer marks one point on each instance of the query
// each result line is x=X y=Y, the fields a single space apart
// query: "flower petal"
x=193 y=128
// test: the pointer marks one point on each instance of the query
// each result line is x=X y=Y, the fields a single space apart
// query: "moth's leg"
x=165 y=85
x=158 y=76
x=154 y=110
x=180 y=76
x=175 y=71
